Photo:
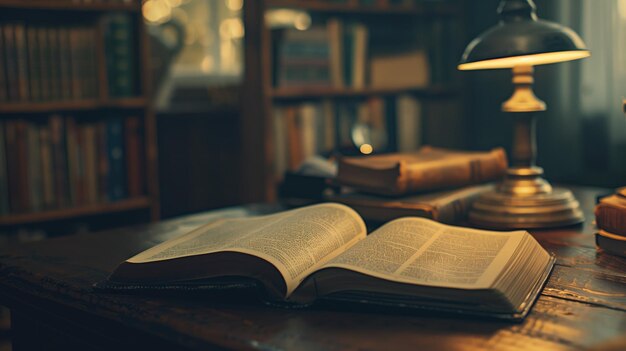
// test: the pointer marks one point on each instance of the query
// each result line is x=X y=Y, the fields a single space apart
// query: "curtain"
x=582 y=138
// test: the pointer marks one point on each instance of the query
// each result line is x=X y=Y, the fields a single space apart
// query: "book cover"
x=47 y=167
x=428 y=169
x=450 y=206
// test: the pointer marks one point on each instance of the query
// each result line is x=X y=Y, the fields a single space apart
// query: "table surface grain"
x=583 y=305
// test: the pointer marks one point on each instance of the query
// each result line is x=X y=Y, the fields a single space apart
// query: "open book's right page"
x=423 y=252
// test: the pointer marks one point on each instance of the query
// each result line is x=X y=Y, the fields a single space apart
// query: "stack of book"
x=434 y=183
x=611 y=222
x=61 y=162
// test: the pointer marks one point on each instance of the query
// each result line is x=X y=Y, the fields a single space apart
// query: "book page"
x=424 y=252
x=296 y=241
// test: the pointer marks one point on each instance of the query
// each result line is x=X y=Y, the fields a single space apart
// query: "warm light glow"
x=207 y=64
x=231 y=28
x=366 y=149
x=285 y=18
x=526 y=60
x=156 y=11
x=234 y=5
x=302 y=21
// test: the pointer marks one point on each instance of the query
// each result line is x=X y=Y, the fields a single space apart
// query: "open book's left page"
x=296 y=242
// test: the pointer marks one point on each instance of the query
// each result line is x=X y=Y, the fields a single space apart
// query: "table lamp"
x=520 y=41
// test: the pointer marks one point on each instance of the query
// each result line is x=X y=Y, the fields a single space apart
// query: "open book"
x=324 y=252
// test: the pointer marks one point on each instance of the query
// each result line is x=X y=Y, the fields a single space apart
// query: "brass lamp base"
x=524 y=200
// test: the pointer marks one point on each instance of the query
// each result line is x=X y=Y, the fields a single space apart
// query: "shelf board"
x=72 y=105
x=67 y=213
x=435 y=8
x=319 y=93
x=67 y=5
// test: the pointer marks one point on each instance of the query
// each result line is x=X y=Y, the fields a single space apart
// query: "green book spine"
x=121 y=56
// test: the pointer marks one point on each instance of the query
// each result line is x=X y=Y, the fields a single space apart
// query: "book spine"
x=8 y=31
x=45 y=66
x=117 y=181
x=611 y=219
x=82 y=193
x=293 y=137
x=103 y=162
x=72 y=160
x=455 y=210
x=59 y=160
x=22 y=61
x=335 y=39
x=454 y=173
x=134 y=156
x=21 y=150
x=34 y=168
x=120 y=58
x=66 y=64
x=76 y=62
x=13 y=176
x=47 y=168
x=55 y=64
x=3 y=76
x=34 y=66
x=91 y=163
x=4 y=181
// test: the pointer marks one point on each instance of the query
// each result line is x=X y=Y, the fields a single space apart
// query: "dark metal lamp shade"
x=521 y=39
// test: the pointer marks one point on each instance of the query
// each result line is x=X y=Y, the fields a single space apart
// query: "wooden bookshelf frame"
x=138 y=105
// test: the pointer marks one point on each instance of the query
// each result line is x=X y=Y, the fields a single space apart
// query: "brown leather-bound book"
x=428 y=169
x=447 y=206
x=611 y=243
x=134 y=156
x=20 y=150
x=611 y=213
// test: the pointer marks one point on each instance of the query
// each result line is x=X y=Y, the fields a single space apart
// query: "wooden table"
x=48 y=284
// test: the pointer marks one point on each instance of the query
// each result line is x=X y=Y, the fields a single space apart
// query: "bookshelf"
x=269 y=91
x=83 y=101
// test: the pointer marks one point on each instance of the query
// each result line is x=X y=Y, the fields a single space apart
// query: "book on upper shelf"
x=323 y=253
x=448 y=206
x=425 y=170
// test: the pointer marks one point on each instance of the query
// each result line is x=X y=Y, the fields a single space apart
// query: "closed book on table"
x=611 y=213
x=428 y=169
x=611 y=243
x=450 y=206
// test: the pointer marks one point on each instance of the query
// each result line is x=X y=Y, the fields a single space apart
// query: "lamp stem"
x=524 y=141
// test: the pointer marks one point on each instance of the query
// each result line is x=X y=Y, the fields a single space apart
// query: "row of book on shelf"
x=52 y=62
x=319 y=128
x=352 y=54
x=63 y=162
